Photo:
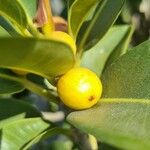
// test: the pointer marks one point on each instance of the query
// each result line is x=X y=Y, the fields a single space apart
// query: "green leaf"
x=69 y=3
x=129 y=76
x=16 y=134
x=127 y=12
x=104 y=146
x=101 y=19
x=44 y=135
x=115 y=41
x=40 y=56
x=38 y=80
x=13 y=110
x=12 y=10
x=62 y=145
x=3 y=32
x=78 y=11
x=121 y=48
x=124 y=123
x=9 y=86
x=30 y=7
x=9 y=27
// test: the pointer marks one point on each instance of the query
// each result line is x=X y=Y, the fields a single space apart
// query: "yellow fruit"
x=63 y=37
x=79 y=88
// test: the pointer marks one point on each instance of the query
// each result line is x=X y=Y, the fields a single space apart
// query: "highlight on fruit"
x=79 y=88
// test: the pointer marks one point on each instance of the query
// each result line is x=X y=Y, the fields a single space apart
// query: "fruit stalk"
x=44 y=17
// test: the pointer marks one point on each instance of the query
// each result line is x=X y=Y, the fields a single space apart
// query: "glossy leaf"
x=12 y=10
x=16 y=134
x=78 y=11
x=30 y=7
x=40 y=56
x=9 y=27
x=44 y=135
x=38 y=80
x=124 y=123
x=101 y=19
x=62 y=145
x=116 y=40
x=121 y=48
x=13 y=110
x=9 y=86
x=3 y=32
x=129 y=76
x=69 y=3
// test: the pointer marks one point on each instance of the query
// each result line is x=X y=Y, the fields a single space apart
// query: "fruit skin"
x=79 y=88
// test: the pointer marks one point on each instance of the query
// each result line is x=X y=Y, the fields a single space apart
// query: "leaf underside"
x=44 y=57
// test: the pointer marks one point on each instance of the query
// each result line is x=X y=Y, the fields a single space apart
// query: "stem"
x=78 y=59
x=32 y=87
x=5 y=76
x=25 y=33
x=49 y=24
x=38 y=90
x=34 y=31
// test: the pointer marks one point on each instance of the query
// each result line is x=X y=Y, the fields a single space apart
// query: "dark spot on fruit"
x=91 y=98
